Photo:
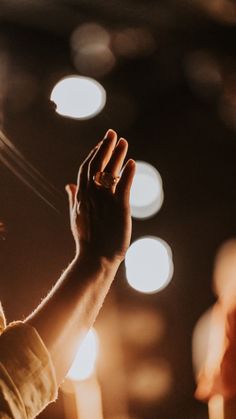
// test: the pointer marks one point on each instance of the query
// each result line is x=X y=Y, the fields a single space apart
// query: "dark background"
x=178 y=113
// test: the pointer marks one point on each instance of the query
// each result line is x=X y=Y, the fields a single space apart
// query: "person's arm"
x=101 y=226
x=228 y=365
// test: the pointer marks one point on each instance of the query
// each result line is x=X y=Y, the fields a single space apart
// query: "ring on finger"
x=105 y=179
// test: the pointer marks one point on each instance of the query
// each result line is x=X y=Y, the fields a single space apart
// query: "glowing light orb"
x=89 y=34
x=2 y=227
x=133 y=42
x=135 y=330
x=85 y=360
x=150 y=381
x=149 y=265
x=78 y=97
x=91 y=53
x=146 y=196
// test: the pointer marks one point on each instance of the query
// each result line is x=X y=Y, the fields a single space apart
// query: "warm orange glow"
x=204 y=73
x=216 y=407
x=208 y=348
x=135 y=330
x=200 y=341
x=91 y=53
x=150 y=381
x=222 y=10
x=88 y=399
x=132 y=42
x=84 y=362
x=225 y=272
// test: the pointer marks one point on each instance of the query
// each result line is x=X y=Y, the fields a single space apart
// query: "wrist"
x=94 y=262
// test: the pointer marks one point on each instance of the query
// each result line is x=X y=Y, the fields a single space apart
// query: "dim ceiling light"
x=78 y=97
x=149 y=265
x=146 y=196
x=84 y=362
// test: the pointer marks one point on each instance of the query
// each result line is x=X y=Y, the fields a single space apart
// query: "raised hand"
x=100 y=212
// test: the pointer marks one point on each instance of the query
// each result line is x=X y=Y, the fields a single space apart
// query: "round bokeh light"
x=84 y=362
x=150 y=381
x=146 y=196
x=78 y=97
x=149 y=265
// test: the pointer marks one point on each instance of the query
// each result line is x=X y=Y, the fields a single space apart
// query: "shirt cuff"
x=27 y=364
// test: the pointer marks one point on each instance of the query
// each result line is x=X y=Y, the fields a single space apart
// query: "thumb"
x=71 y=191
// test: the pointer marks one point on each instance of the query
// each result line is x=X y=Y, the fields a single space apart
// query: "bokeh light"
x=146 y=195
x=149 y=265
x=135 y=331
x=150 y=381
x=2 y=230
x=216 y=407
x=221 y=10
x=78 y=97
x=85 y=360
x=208 y=348
x=227 y=104
x=204 y=73
x=87 y=34
x=133 y=42
x=91 y=53
x=200 y=341
x=125 y=417
x=225 y=272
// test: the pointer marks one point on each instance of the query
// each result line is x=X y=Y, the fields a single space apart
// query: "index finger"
x=125 y=183
x=103 y=155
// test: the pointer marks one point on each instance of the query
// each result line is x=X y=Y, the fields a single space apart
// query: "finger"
x=125 y=183
x=117 y=159
x=71 y=191
x=103 y=154
x=83 y=170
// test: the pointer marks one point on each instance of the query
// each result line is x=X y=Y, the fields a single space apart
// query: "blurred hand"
x=100 y=217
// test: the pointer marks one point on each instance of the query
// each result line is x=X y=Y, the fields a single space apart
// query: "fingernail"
x=132 y=162
x=122 y=140
x=110 y=134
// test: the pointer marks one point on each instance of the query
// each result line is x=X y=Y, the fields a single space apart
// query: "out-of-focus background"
x=167 y=82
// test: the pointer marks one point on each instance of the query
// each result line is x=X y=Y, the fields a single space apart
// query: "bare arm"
x=101 y=226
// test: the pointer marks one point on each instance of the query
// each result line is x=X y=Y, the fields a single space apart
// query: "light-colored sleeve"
x=27 y=376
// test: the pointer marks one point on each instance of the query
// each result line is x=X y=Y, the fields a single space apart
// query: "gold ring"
x=105 y=179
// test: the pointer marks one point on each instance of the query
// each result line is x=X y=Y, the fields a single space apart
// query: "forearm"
x=66 y=314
